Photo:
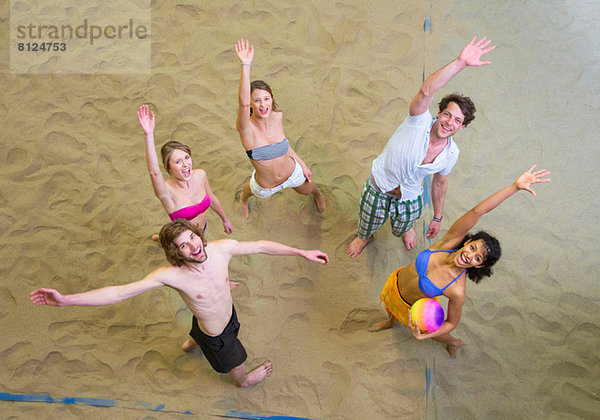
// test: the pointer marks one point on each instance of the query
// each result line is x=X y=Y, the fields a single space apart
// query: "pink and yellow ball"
x=428 y=313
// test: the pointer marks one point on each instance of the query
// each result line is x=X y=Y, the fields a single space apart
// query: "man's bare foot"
x=257 y=375
x=319 y=201
x=382 y=325
x=155 y=238
x=244 y=205
x=189 y=345
x=410 y=239
x=453 y=347
x=357 y=245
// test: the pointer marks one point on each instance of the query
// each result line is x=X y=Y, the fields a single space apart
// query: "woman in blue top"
x=443 y=268
x=260 y=124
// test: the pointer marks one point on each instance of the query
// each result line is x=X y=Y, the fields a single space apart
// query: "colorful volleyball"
x=428 y=313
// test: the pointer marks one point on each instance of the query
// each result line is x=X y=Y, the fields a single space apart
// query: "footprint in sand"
x=62 y=148
x=359 y=319
x=19 y=163
x=15 y=356
x=7 y=302
x=302 y=288
x=69 y=331
x=574 y=400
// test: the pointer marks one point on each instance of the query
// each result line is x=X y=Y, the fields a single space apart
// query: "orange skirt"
x=394 y=304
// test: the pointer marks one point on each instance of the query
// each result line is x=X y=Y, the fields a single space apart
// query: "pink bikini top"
x=191 y=212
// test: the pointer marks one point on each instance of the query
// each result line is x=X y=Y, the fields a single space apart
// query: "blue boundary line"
x=245 y=415
x=95 y=402
x=427 y=180
x=428 y=374
x=107 y=402
x=427 y=203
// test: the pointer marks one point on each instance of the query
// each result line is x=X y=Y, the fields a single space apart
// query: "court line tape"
x=95 y=402
x=243 y=415
x=107 y=402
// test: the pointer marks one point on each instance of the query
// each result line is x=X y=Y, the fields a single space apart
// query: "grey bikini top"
x=269 y=151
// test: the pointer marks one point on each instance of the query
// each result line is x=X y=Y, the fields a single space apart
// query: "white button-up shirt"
x=400 y=162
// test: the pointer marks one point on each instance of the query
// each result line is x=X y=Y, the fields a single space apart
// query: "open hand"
x=529 y=178
x=244 y=51
x=146 y=119
x=471 y=54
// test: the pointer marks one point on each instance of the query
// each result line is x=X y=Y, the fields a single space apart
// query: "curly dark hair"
x=465 y=104
x=492 y=251
x=167 y=236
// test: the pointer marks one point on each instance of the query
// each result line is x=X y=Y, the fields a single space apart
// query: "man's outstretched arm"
x=99 y=297
x=275 y=248
x=469 y=56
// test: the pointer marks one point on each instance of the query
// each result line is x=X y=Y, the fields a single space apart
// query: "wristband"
x=438 y=220
x=246 y=64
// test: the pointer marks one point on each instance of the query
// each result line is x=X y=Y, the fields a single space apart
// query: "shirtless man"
x=421 y=146
x=199 y=273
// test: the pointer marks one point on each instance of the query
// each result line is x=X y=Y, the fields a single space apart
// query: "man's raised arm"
x=103 y=296
x=469 y=56
x=275 y=248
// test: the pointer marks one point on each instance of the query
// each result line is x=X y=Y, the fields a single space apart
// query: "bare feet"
x=257 y=375
x=319 y=201
x=356 y=246
x=382 y=325
x=454 y=346
x=189 y=345
x=244 y=205
x=244 y=196
x=410 y=239
x=155 y=238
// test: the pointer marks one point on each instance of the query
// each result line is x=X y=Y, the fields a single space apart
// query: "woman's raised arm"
x=468 y=220
x=146 y=119
x=245 y=52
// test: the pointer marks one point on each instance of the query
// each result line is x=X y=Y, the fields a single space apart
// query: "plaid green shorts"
x=376 y=208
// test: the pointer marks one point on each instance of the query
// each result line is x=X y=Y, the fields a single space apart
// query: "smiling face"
x=449 y=121
x=180 y=164
x=262 y=103
x=472 y=254
x=190 y=247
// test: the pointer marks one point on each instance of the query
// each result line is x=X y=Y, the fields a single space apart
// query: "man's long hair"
x=170 y=232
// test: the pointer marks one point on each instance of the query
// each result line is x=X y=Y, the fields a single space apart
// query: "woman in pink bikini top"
x=186 y=193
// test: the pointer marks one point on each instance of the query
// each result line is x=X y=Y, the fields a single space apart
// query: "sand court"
x=78 y=212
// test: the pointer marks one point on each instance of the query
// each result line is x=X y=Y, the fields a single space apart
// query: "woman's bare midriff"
x=271 y=173
x=408 y=284
x=200 y=221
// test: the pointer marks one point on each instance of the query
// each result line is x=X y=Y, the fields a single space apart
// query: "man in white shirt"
x=199 y=273
x=420 y=146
